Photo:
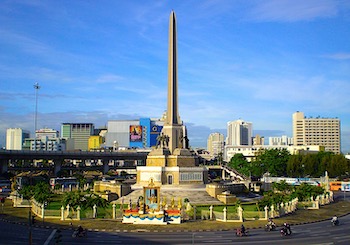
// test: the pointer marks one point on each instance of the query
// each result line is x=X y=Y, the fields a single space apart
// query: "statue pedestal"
x=152 y=219
x=151 y=211
x=158 y=157
x=178 y=168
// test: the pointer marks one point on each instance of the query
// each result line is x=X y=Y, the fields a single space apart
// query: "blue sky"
x=95 y=61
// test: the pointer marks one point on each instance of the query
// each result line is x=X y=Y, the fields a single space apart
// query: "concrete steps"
x=194 y=195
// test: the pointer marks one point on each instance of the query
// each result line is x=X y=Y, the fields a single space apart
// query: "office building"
x=258 y=140
x=215 y=144
x=45 y=140
x=239 y=133
x=283 y=140
x=250 y=152
x=77 y=135
x=15 y=138
x=95 y=142
x=316 y=131
x=47 y=133
x=140 y=133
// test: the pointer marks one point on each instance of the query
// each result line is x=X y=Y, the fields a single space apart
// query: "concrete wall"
x=215 y=189
x=112 y=187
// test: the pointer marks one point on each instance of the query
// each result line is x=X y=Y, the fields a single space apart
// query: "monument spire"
x=173 y=128
x=171 y=162
x=172 y=116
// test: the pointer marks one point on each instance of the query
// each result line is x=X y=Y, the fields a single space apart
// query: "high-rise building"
x=15 y=138
x=283 y=140
x=46 y=139
x=258 y=140
x=118 y=132
x=46 y=133
x=239 y=133
x=316 y=131
x=77 y=135
x=215 y=144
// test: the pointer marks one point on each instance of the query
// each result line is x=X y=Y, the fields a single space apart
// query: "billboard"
x=345 y=186
x=135 y=133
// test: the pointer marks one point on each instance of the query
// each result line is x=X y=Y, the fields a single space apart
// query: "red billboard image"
x=135 y=133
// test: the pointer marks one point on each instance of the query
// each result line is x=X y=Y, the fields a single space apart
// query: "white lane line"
x=50 y=237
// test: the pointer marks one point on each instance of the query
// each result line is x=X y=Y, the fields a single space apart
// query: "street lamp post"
x=36 y=87
x=30 y=221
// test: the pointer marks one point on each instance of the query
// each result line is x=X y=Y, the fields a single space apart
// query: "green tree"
x=294 y=168
x=284 y=192
x=42 y=192
x=325 y=159
x=338 y=166
x=239 y=162
x=27 y=191
x=272 y=198
x=81 y=179
x=73 y=198
x=310 y=165
x=93 y=199
x=305 y=191
x=273 y=161
x=282 y=187
x=78 y=198
x=219 y=159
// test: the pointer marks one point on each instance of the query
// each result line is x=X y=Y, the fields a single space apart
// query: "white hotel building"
x=316 y=131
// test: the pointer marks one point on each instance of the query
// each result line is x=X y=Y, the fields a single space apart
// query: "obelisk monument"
x=173 y=127
x=171 y=163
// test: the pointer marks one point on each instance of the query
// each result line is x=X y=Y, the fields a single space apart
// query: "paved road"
x=315 y=233
x=14 y=234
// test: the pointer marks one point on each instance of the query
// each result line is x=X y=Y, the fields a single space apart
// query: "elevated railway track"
x=56 y=161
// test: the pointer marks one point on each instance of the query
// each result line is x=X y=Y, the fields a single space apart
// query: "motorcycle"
x=335 y=222
x=76 y=233
x=285 y=231
x=270 y=227
x=240 y=233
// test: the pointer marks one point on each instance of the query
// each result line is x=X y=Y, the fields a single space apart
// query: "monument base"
x=174 y=176
x=179 y=168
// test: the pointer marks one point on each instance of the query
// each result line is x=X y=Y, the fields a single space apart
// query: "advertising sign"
x=135 y=133
x=345 y=186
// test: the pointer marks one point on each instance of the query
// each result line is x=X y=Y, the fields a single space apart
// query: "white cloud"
x=109 y=78
x=292 y=10
x=338 y=56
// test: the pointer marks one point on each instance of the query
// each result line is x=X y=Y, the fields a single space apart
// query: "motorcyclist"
x=287 y=228
x=243 y=230
x=335 y=220
x=271 y=225
x=80 y=230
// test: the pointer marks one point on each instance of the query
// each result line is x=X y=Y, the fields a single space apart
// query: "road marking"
x=50 y=237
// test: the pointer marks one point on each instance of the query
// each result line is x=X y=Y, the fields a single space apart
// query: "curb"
x=153 y=231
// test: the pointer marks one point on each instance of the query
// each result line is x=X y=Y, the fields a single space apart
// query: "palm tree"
x=94 y=199
x=73 y=199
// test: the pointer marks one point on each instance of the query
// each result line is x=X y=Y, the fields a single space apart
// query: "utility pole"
x=36 y=87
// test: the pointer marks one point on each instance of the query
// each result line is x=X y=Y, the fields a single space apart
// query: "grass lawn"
x=55 y=204
x=300 y=216
x=230 y=208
